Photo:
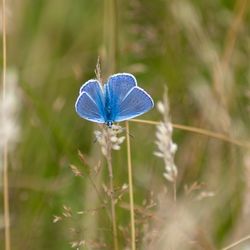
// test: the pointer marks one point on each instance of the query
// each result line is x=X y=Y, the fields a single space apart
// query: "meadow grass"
x=200 y=51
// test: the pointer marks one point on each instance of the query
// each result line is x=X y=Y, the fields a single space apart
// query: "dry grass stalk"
x=200 y=131
x=5 y=148
x=109 y=138
x=131 y=196
x=237 y=243
x=166 y=148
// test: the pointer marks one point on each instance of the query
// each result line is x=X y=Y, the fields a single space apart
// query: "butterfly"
x=118 y=100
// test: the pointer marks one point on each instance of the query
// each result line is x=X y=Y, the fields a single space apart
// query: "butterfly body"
x=108 y=106
x=118 y=100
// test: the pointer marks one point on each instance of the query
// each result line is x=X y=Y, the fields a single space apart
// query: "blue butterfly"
x=118 y=100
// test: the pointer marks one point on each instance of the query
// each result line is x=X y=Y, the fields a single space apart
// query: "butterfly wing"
x=119 y=85
x=93 y=88
x=121 y=100
x=116 y=89
x=90 y=103
x=135 y=103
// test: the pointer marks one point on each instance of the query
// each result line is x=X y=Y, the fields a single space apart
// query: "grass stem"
x=5 y=147
x=237 y=243
x=174 y=190
x=130 y=183
x=200 y=131
x=112 y=197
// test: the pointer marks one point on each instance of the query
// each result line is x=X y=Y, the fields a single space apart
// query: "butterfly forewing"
x=117 y=88
x=135 y=103
x=87 y=108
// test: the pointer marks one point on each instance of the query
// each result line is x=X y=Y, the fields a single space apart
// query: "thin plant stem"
x=111 y=44
x=5 y=148
x=230 y=41
x=110 y=35
x=130 y=183
x=174 y=191
x=199 y=131
x=241 y=7
x=112 y=198
x=114 y=37
x=99 y=195
x=237 y=243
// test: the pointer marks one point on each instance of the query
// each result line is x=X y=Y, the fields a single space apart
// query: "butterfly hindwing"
x=87 y=108
x=136 y=102
x=94 y=90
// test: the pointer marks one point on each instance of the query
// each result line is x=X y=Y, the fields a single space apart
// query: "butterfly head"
x=109 y=124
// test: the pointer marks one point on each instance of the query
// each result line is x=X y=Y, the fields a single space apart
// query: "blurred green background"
x=200 y=50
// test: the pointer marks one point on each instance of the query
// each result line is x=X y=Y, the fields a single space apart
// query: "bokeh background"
x=199 y=50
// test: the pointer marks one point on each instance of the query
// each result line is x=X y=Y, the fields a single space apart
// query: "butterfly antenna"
x=130 y=135
x=95 y=140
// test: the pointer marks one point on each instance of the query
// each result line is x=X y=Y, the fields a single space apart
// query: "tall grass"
x=200 y=51
x=131 y=192
x=7 y=239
